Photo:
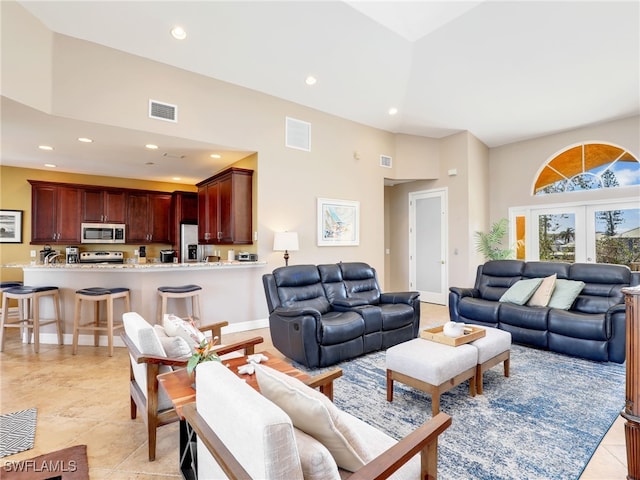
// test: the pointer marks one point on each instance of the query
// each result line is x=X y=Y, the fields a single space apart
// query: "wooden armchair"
x=146 y=362
x=225 y=453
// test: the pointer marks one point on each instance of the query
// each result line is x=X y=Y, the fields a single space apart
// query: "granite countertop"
x=136 y=266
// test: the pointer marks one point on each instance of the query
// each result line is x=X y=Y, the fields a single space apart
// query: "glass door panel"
x=615 y=237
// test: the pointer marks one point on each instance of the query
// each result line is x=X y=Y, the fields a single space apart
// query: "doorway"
x=428 y=245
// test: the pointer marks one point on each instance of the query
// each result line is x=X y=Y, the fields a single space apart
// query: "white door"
x=427 y=245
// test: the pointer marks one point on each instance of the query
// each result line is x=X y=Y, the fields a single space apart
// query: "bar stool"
x=13 y=312
x=97 y=295
x=185 y=291
x=28 y=298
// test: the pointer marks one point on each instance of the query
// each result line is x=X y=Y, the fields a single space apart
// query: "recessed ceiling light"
x=45 y=147
x=215 y=155
x=151 y=146
x=393 y=111
x=310 y=80
x=178 y=33
x=176 y=178
x=49 y=165
x=85 y=140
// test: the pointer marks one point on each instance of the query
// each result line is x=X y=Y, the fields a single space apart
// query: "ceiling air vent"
x=163 y=111
x=385 y=161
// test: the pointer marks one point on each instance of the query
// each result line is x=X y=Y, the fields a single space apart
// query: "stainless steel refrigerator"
x=189 y=249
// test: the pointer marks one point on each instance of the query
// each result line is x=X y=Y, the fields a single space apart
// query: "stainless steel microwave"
x=103 y=233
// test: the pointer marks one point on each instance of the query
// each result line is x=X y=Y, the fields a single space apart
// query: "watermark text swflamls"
x=53 y=466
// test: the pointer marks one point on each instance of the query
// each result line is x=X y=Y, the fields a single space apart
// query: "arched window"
x=588 y=166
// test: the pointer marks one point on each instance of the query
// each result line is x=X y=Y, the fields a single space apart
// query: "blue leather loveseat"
x=592 y=326
x=321 y=315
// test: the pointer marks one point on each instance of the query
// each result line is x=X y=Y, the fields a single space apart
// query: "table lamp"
x=285 y=241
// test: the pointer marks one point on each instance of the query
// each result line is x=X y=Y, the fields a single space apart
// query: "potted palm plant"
x=490 y=244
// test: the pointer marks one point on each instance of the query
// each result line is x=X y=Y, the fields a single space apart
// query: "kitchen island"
x=228 y=290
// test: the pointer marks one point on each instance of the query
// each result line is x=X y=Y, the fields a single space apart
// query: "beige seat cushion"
x=430 y=362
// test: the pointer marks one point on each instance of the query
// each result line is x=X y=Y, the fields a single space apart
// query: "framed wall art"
x=10 y=226
x=338 y=222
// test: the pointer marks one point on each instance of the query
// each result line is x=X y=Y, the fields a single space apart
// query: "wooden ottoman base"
x=493 y=349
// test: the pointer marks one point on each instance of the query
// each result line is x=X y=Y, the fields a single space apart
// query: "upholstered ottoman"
x=493 y=348
x=431 y=367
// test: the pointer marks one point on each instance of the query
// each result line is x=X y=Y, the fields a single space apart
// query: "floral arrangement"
x=205 y=352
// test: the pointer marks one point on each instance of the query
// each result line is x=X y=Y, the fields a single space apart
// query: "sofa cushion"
x=396 y=315
x=523 y=316
x=543 y=293
x=258 y=433
x=521 y=291
x=496 y=276
x=479 y=310
x=144 y=337
x=340 y=327
x=565 y=293
x=177 y=327
x=317 y=462
x=313 y=413
x=579 y=325
x=360 y=281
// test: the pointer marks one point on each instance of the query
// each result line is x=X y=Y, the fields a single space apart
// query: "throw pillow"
x=521 y=291
x=142 y=334
x=316 y=461
x=175 y=347
x=177 y=327
x=542 y=295
x=565 y=293
x=313 y=413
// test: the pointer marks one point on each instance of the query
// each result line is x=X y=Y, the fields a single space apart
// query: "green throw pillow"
x=521 y=291
x=565 y=293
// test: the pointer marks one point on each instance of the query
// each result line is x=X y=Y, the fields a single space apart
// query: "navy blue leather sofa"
x=593 y=327
x=321 y=315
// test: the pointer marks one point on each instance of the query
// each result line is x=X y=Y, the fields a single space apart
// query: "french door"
x=599 y=232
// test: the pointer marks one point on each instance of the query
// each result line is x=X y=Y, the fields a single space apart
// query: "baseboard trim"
x=87 y=339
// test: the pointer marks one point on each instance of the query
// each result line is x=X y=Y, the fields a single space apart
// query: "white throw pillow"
x=177 y=327
x=316 y=461
x=175 y=347
x=313 y=413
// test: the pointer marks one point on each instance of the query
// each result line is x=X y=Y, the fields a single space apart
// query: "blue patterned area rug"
x=17 y=431
x=543 y=422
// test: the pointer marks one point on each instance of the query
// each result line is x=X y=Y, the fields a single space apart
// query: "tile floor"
x=84 y=399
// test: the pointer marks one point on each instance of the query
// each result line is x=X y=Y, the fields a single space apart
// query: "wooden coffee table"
x=178 y=385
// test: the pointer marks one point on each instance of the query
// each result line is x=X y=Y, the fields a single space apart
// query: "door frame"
x=440 y=298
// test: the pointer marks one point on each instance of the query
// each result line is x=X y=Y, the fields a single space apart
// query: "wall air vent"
x=163 y=111
x=385 y=161
x=298 y=134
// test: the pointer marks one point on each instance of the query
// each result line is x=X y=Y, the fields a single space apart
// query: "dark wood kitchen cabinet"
x=55 y=213
x=148 y=216
x=103 y=206
x=225 y=208
x=184 y=209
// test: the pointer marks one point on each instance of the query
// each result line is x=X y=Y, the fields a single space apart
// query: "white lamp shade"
x=285 y=241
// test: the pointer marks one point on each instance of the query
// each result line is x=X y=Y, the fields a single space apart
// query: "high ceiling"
x=504 y=71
